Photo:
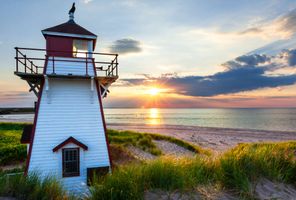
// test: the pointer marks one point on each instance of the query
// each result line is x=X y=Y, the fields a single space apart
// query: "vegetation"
x=145 y=141
x=236 y=169
x=31 y=187
x=11 y=151
x=243 y=165
x=139 y=140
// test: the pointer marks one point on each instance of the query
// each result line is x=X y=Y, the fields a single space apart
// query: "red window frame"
x=71 y=159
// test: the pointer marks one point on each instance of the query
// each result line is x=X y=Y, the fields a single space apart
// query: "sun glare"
x=153 y=91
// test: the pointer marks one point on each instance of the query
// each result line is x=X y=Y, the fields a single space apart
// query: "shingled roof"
x=69 y=27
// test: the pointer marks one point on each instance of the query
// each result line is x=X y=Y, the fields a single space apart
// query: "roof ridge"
x=69 y=27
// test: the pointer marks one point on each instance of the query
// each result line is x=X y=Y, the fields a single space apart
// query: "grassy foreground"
x=237 y=170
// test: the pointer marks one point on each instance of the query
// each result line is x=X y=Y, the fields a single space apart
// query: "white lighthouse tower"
x=68 y=138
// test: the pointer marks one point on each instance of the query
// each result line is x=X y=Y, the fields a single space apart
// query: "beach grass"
x=236 y=170
x=32 y=187
x=145 y=141
x=11 y=151
x=126 y=138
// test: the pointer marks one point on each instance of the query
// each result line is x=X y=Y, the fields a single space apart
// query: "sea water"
x=278 y=119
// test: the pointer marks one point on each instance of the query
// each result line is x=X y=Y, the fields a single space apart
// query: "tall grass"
x=31 y=187
x=236 y=169
x=242 y=165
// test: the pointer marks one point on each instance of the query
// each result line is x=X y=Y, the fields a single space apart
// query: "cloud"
x=283 y=26
x=126 y=46
x=290 y=56
x=253 y=30
x=244 y=73
x=87 y=1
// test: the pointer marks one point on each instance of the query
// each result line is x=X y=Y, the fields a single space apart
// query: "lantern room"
x=70 y=39
x=69 y=53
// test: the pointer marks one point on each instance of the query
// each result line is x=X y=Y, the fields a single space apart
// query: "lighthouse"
x=68 y=138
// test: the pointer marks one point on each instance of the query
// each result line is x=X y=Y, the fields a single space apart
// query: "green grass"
x=234 y=170
x=182 y=143
x=139 y=140
x=145 y=141
x=11 y=151
x=32 y=187
x=243 y=164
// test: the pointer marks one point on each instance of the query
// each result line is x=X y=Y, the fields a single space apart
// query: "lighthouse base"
x=69 y=135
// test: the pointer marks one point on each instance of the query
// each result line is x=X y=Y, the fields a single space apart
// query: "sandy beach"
x=217 y=139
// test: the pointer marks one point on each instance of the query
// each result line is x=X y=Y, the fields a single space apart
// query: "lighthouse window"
x=80 y=47
x=70 y=162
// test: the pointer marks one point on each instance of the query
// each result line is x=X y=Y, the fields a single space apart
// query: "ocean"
x=276 y=119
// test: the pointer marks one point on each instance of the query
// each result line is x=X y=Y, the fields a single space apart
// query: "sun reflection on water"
x=154 y=116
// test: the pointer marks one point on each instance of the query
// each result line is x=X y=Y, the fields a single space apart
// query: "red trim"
x=35 y=120
x=34 y=128
x=70 y=140
x=103 y=116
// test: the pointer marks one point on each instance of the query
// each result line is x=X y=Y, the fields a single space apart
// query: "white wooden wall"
x=67 y=67
x=68 y=108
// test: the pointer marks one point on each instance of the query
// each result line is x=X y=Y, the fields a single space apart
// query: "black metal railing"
x=108 y=64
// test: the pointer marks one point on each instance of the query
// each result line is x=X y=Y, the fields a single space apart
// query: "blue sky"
x=188 y=38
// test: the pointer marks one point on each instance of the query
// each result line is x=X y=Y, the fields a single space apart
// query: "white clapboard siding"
x=68 y=108
x=65 y=66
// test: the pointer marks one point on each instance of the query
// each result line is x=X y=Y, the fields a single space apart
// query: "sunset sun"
x=153 y=91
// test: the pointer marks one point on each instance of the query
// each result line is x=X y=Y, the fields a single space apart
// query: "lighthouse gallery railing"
x=108 y=63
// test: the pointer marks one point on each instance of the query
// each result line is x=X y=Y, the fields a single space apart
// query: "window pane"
x=80 y=46
x=71 y=162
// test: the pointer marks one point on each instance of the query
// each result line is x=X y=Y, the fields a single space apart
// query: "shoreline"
x=214 y=138
x=217 y=139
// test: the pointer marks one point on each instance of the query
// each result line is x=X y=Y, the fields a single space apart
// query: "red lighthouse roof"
x=70 y=29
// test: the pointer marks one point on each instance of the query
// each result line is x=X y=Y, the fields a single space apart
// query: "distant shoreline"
x=5 y=111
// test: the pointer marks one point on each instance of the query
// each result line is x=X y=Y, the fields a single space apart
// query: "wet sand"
x=218 y=139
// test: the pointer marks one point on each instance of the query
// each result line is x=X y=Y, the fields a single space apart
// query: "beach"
x=216 y=139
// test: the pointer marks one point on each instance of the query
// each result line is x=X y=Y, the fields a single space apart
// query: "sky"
x=174 y=54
